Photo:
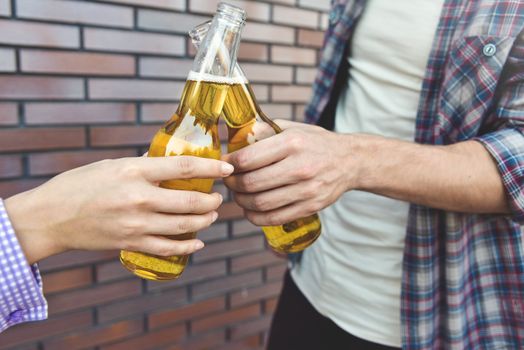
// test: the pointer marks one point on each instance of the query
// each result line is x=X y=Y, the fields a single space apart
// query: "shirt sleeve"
x=506 y=141
x=21 y=295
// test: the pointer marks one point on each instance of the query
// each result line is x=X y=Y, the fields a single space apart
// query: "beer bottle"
x=193 y=129
x=247 y=123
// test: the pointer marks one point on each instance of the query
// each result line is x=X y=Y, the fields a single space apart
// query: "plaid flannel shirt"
x=463 y=274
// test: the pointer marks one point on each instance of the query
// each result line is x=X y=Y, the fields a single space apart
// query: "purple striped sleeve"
x=21 y=296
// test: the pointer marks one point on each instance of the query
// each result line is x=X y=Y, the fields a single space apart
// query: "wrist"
x=30 y=227
x=364 y=165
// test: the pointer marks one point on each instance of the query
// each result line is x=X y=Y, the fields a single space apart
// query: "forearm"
x=461 y=177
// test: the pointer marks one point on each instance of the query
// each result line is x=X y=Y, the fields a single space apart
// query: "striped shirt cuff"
x=21 y=294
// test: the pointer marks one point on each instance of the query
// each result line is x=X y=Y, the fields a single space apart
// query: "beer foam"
x=196 y=76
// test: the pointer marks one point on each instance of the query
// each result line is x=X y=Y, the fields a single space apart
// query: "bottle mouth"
x=198 y=33
x=232 y=13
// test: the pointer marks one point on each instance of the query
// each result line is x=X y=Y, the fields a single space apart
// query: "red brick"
x=54 y=163
x=27 y=332
x=166 y=4
x=201 y=341
x=257 y=326
x=17 y=87
x=266 y=73
x=142 y=304
x=94 y=296
x=75 y=258
x=125 y=41
x=213 y=233
x=290 y=93
x=255 y=10
x=41 y=138
x=261 y=92
x=153 y=340
x=10 y=188
x=311 y=38
x=254 y=260
x=225 y=319
x=96 y=336
x=7 y=60
x=300 y=113
x=123 y=135
x=8 y=114
x=69 y=279
x=5 y=7
x=157 y=112
x=226 y=284
x=255 y=294
x=194 y=273
x=76 y=63
x=10 y=166
x=293 y=55
x=322 y=5
x=244 y=227
x=268 y=33
x=295 y=17
x=192 y=311
x=249 y=343
x=75 y=12
x=278 y=111
x=306 y=75
x=230 y=248
x=253 y=52
x=130 y=89
x=276 y=272
x=271 y=305
x=79 y=113
x=111 y=271
x=287 y=2
x=229 y=211
x=38 y=34
x=165 y=67
x=169 y=21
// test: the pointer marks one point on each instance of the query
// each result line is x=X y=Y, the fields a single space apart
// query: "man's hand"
x=117 y=204
x=290 y=175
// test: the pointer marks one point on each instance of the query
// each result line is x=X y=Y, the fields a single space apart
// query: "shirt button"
x=489 y=50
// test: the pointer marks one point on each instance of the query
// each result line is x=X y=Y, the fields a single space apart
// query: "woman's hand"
x=117 y=204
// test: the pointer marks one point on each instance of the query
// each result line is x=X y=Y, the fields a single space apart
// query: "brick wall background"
x=82 y=81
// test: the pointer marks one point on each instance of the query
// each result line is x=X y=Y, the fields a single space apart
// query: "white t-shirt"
x=352 y=274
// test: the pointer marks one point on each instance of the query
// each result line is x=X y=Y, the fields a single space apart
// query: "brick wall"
x=87 y=80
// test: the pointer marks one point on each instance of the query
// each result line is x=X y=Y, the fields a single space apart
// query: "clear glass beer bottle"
x=193 y=129
x=247 y=123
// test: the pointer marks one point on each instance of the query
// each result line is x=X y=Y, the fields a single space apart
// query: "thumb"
x=288 y=124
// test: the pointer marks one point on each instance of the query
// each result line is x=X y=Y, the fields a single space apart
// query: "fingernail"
x=199 y=245
x=227 y=168
x=220 y=197
x=215 y=216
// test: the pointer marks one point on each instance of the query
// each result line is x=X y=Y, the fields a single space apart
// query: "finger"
x=287 y=124
x=182 y=167
x=280 y=216
x=258 y=155
x=163 y=246
x=273 y=176
x=172 y=225
x=183 y=202
x=273 y=199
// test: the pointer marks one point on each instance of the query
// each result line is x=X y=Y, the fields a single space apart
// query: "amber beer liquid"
x=247 y=124
x=191 y=131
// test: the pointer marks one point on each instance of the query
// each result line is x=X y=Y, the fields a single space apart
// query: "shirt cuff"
x=21 y=295
x=506 y=146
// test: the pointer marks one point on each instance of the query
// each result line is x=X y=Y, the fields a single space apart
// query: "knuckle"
x=242 y=159
x=295 y=142
x=304 y=172
x=184 y=225
x=274 y=219
x=132 y=227
x=185 y=166
x=130 y=170
x=248 y=182
x=192 y=201
x=260 y=203
x=310 y=190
